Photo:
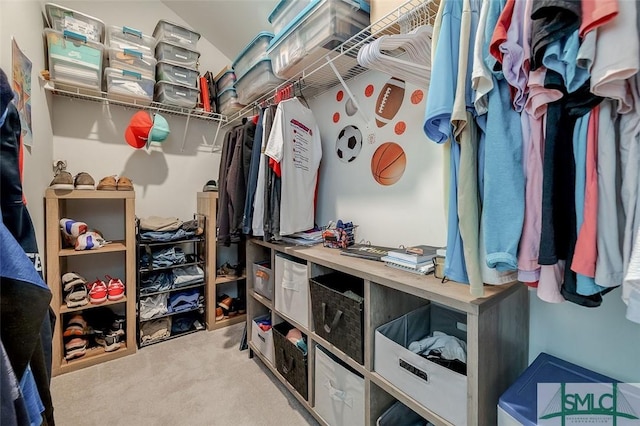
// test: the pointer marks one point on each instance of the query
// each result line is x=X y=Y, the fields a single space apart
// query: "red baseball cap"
x=137 y=131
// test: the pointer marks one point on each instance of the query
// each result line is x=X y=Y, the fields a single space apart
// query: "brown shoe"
x=63 y=180
x=219 y=314
x=107 y=184
x=124 y=184
x=226 y=303
x=84 y=181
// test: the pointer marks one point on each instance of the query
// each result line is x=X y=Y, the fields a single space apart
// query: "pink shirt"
x=596 y=13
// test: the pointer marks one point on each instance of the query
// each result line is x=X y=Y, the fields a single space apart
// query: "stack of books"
x=416 y=259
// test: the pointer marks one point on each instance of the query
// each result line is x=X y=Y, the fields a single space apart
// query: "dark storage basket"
x=338 y=318
x=291 y=362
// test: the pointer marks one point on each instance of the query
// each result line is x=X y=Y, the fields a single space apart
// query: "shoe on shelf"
x=108 y=183
x=118 y=327
x=70 y=279
x=77 y=296
x=110 y=341
x=76 y=326
x=124 y=184
x=115 y=288
x=210 y=186
x=219 y=314
x=98 y=292
x=84 y=181
x=225 y=270
x=240 y=305
x=72 y=229
x=226 y=303
x=233 y=308
x=89 y=241
x=75 y=348
x=62 y=180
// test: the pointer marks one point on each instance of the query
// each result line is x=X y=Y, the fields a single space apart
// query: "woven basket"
x=336 y=317
x=291 y=362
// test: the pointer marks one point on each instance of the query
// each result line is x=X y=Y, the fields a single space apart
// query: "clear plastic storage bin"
x=133 y=60
x=322 y=26
x=176 y=94
x=226 y=81
x=256 y=82
x=177 y=74
x=285 y=12
x=128 y=85
x=175 y=33
x=62 y=18
x=73 y=60
x=129 y=38
x=176 y=54
x=228 y=104
x=253 y=53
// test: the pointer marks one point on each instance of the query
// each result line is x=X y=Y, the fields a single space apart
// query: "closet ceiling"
x=227 y=24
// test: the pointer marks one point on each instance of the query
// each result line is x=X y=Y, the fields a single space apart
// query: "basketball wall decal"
x=348 y=144
x=388 y=163
x=389 y=101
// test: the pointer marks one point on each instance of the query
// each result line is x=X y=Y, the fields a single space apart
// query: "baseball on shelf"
x=389 y=101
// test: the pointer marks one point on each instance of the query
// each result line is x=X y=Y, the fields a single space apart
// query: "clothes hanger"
x=301 y=96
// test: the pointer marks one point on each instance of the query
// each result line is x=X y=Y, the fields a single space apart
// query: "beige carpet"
x=198 y=379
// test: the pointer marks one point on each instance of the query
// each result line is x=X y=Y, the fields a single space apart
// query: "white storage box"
x=437 y=388
x=125 y=85
x=176 y=54
x=258 y=81
x=176 y=94
x=62 y=18
x=175 y=33
x=226 y=81
x=401 y=415
x=263 y=340
x=322 y=26
x=74 y=61
x=177 y=74
x=263 y=279
x=292 y=288
x=339 y=392
x=253 y=53
x=285 y=12
x=129 y=38
x=133 y=60
x=228 y=102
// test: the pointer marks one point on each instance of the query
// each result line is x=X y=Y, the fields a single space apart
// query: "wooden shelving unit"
x=57 y=202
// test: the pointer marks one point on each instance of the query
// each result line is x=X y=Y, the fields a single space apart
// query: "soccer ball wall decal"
x=348 y=144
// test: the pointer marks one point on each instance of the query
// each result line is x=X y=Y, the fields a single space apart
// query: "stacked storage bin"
x=253 y=70
x=227 y=99
x=177 y=65
x=131 y=72
x=75 y=48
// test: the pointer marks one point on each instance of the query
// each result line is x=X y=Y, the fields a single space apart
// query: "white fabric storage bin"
x=176 y=33
x=285 y=12
x=73 y=60
x=253 y=53
x=129 y=38
x=62 y=18
x=292 y=289
x=263 y=340
x=177 y=54
x=339 y=392
x=177 y=74
x=316 y=31
x=256 y=82
x=125 y=85
x=263 y=279
x=437 y=388
x=133 y=60
x=176 y=94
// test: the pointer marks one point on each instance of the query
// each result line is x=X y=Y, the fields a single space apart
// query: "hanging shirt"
x=257 y=223
x=596 y=13
x=295 y=143
x=561 y=57
x=552 y=21
x=252 y=182
x=481 y=80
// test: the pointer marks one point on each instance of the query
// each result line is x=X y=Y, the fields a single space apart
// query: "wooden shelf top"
x=63 y=194
x=260 y=298
x=229 y=279
x=228 y=321
x=208 y=194
x=64 y=309
x=94 y=356
x=114 y=246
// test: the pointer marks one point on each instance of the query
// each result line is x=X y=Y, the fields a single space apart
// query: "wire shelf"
x=319 y=76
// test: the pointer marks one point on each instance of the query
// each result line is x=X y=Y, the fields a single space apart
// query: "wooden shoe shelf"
x=112 y=211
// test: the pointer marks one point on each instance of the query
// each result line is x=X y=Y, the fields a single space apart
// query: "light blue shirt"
x=561 y=56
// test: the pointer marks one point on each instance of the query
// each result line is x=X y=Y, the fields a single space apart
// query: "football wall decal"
x=388 y=163
x=389 y=101
x=348 y=144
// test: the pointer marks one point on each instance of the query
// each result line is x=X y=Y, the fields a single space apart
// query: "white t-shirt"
x=295 y=143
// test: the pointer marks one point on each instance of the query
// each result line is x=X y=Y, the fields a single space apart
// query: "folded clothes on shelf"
x=157 y=223
x=153 y=306
x=165 y=236
x=184 y=300
x=187 y=275
x=164 y=258
x=153 y=283
x=155 y=330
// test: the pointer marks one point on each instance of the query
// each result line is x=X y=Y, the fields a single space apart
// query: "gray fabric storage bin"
x=262 y=285
x=401 y=415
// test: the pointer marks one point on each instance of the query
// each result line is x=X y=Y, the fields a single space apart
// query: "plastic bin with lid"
x=256 y=82
x=133 y=60
x=253 y=53
x=74 y=60
x=127 y=86
x=176 y=74
x=129 y=38
x=285 y=12
x=228 y=102
x=62 y=18
x=226 y=81
x=176 y=94
x=177 y=54
x=176 y=33
x=316 y=31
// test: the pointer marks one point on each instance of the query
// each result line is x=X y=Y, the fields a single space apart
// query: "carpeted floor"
x=198 y=379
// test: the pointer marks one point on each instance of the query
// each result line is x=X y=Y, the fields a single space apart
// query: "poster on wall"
x=21 y=80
